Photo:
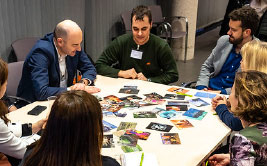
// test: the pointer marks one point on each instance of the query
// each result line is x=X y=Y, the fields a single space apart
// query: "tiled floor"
x=189 y=71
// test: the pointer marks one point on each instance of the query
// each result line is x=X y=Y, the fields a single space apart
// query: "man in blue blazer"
x=51 y=65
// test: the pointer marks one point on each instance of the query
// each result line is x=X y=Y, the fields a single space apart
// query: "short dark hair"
x=140 y=12
x=251 y=92
x=248 y=17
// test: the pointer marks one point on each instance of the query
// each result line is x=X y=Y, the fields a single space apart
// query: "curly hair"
x=251 y=92
x=248 y=17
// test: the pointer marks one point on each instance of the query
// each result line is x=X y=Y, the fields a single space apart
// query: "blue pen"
x=142 y=158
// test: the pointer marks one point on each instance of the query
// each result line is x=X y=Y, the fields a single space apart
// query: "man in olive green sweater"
x=139 y=55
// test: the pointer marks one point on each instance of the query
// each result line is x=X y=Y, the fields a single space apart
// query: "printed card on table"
x=159 y=127
x=108 y=126
x=108 y=141
x=144 y=114
x=170 y=138
x=140 y=134
x=170 y=114
x=205 y=95
x=179 y=90
x=128 y=140
x=127 y=149
x=126 y=125
x=198 y=102
x=176 y=107
x=128 y=91
x=180 y=124
x=195 y=114
x=174 y=97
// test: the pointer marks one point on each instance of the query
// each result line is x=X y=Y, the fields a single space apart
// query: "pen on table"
x=184 y=94
x=142 y=158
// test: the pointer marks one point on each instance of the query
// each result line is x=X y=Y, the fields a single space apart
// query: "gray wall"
x=28 y=18
x=210 y=11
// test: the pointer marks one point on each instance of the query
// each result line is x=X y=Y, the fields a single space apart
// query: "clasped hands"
x=131 y=73
x=88 y=89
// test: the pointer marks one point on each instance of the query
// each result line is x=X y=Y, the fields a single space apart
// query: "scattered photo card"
x=180 y=124
x=198 y=102
x=111 y=107
x=158 y=110
x=130 y=86
x=170 y=138
x=127 y=149
x=176 y=107
x=131 y=97
x=179 y=90
x=126 y=125
x=108 y=126
x=108 y=114
x=112 y=98
x=128 y=140
x=195 y=114
x=120 y=114
x=153 y=96
x=108 y=141
x=128 y=91
x=178 y=102
x=174 y=97
x=144 y=114
x=169 y=114
x=140 y=134
x=159 y=127
x=205 y=95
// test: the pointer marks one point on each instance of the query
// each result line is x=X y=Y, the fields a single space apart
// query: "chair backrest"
x=126 y=20
x=23 y=46
x=14 y=76
x=156 y=14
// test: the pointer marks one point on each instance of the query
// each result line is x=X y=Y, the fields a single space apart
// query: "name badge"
x=136 y=54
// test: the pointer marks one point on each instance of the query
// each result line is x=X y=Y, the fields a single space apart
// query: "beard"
x=236 y=41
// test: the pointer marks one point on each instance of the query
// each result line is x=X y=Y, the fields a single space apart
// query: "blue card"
x=205 y=95
x=195 y=114
x=108 y=126
x=198 y=102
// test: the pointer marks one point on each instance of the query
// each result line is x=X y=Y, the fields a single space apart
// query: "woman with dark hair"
x=73 y=134
x=248 y=101
x=11 y=145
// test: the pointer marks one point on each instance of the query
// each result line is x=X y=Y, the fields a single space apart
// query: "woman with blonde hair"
x=248 y=101
x=254 y=57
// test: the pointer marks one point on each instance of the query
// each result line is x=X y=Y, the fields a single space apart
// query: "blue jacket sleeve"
x=86 y=67
x=228 y=118
x=38 y=65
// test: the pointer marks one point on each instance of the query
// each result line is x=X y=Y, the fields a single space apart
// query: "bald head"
x=65 y=28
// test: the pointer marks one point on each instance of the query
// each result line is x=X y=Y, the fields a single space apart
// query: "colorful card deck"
x=159 y=127
x=176 y=107
x=126 y=125
x=180 y=124
x=127 y=149
x=198 y=102
x=144 y=114
x=108 y=126
x=170 y=138
x=108 y=141
x=205 y=95
x=140 y=134
x=174 y=97
x=195 y=114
